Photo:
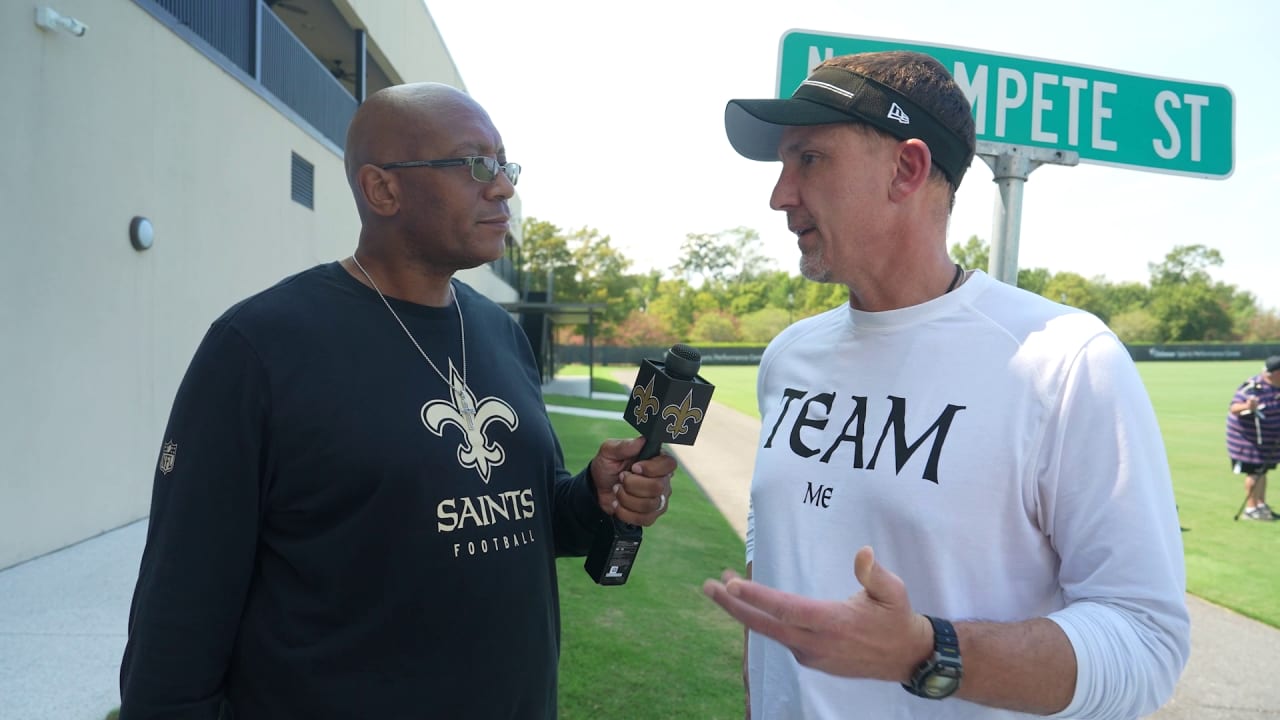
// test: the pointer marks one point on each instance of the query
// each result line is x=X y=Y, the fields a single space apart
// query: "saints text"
x=483 y=510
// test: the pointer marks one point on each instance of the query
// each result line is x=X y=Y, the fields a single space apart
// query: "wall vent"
x=303 y=176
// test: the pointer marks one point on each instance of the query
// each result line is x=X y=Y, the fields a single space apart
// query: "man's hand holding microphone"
x=667 y=404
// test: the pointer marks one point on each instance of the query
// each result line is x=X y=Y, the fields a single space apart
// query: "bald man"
x=359 y=498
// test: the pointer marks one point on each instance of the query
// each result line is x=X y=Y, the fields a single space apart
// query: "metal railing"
x=292 y=73
x=284 y=66
x=227 y=25
x=507 y=267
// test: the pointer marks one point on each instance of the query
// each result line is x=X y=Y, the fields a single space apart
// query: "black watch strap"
x=939 y=675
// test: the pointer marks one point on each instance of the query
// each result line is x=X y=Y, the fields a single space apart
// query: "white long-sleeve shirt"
x=1000 y=454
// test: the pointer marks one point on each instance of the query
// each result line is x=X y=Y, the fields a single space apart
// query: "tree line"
x=721 y=289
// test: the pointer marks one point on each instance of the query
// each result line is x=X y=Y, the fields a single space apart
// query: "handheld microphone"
x=668 y=404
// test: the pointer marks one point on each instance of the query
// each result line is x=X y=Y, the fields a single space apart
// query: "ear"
x=380 y=190
x=912 y=171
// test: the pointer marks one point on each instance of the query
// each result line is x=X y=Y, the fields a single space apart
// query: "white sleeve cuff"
x=1127 y=660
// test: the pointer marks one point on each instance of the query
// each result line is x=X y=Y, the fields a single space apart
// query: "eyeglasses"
x=483 y=169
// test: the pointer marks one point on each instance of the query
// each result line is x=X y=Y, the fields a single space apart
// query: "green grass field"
x=1228 y=562
x=654 y=647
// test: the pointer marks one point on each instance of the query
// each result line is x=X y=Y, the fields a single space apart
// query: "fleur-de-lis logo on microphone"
x=681 y=415
x=648 y=403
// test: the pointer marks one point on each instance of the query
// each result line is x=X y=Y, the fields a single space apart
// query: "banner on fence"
x=609 y=355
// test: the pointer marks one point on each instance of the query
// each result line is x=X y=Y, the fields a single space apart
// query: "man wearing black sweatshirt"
x=359 y=498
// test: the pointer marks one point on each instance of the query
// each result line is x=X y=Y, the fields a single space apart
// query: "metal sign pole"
x=1010 y=166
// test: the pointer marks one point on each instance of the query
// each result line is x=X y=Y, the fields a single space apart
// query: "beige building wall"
x=398 y=29
x=130 y=120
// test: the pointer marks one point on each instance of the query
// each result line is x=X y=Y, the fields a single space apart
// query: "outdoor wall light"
x=50 y=19
x=141 y=233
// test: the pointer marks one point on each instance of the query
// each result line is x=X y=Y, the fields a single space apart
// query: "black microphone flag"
x=669 y=400
x=668 y=404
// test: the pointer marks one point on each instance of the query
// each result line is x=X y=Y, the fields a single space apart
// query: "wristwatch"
x=939 y=675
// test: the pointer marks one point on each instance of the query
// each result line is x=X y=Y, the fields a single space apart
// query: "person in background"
x=360 y=498
x=961 y=505
x=1253 y=436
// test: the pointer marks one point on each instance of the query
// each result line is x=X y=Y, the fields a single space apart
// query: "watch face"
x=938 y=686
x=941 y=682
x=939 y=676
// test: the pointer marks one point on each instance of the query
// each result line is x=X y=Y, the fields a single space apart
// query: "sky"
x=616 y=113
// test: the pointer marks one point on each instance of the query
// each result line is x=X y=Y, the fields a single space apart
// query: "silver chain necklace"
x=462 y=398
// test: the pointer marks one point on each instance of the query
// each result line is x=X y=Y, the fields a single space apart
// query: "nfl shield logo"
x=167 y=456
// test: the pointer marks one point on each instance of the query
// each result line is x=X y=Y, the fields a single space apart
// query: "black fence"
x=609 y=355
x=1188 y=351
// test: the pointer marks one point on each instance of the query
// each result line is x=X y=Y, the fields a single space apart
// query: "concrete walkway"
x=63 y=619
x=63 y=616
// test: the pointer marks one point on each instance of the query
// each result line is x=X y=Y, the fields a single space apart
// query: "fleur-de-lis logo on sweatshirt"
x=472 y=419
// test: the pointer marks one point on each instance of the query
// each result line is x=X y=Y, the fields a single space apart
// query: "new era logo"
x=896 y=113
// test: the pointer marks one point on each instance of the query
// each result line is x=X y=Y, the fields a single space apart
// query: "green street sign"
x=1108 y=117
